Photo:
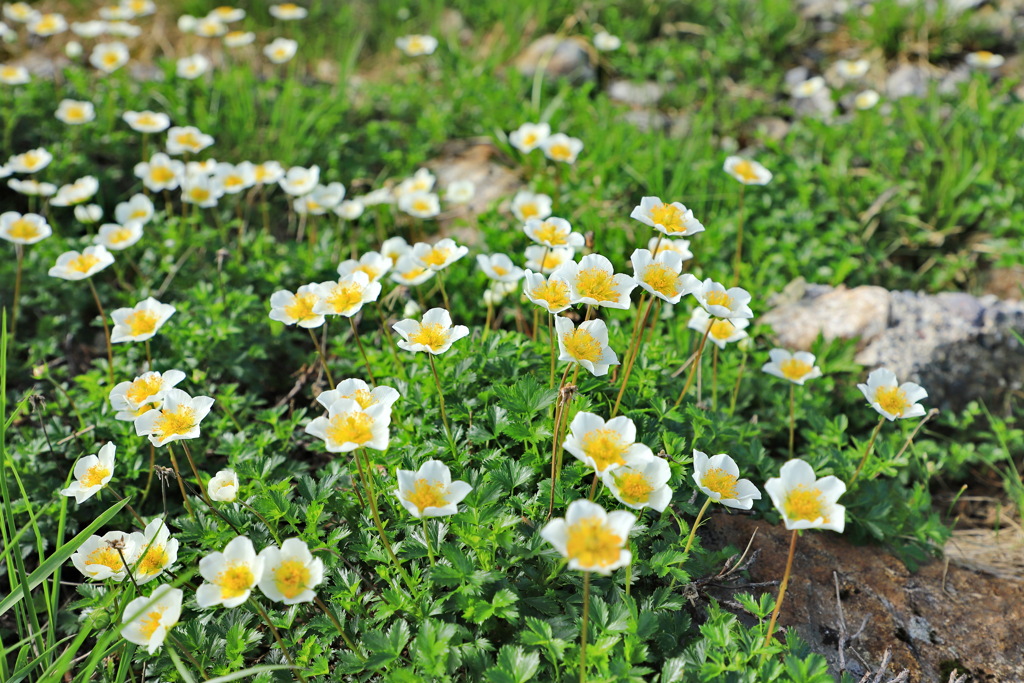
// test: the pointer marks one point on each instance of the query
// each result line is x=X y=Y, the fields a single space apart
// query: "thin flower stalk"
x=106 y=329
x=583 y=627
x=440 y=395
x=323 y=356
x=782 y=594
x=867 y=451
x=696 y=523
x=277 y=637
x=739 y=381
x=737 y=261
x=560 y=408
x=362 y=351
x=639 y=326
x=20 y=257
x=693 y=368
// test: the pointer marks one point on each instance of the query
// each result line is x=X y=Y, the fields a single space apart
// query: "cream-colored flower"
x=147 y=620
x=526 y=205
x=270 y=172
x=92 y=473
x=395 y=248
x=553 y=294
x=88 y=213
x=547 y=259
x=89 y=29
x=595 y=282
x=430 y=491
x=410 y=271
x=805 y=501
x=131 y=399
x=603 y=446
x=297 y=308
x=235 y=178
x=417 y=45
x=984 y=59
x=192 y=67
x=420 y=204
x=288 y=11
x=586 y=345
x=747 y=171
x=160 y=173
x=31 y=161
x=346 y=296
x=290 y=573
x=32 y=188
x=796 y=367
x=11 y=74
x=721 y=302
x=866 y=100
x=892 y=399
x=561 y=147
x=72 y=265
x=671 y=219
x=74 y=112
x=280 y=50
x=658 y=245
x=223 y=486
x=606 y=42
x=20 y=12
x=230 y=575
x=239 y=38
x=138 y=208
x=99 y=557
x=299 y=181
x=109 y=57
x=641 y=482
x=23 y=229
x=350 y=209
x=177 y=418
x=116 y=13
x=460 y=192
x=359 y=391
x=140 y=322
x=718 y=478
x=82 y=190
x=155 y=549
x=529 y=136
x=439 y=255
x=182 y=139
x=48 y=25
x=662 y=276
x=349 y=426
x=722 y=332
x=73 y=49
x=590 y=538
x=553 y=232
x=201 y=189
x=375 y=264
x=808 y=88
x=322 y=199
x=851 y=70
x=123 y=29
x=139 y=8
x=435 y=334
x=499 y=267
x=422 y=181
x=210 y=27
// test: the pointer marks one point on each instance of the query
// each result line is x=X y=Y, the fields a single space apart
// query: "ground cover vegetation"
x=490 y=452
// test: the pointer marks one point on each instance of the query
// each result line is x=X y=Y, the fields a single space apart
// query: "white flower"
x=421 y=181
x=892 y=399
x=141 y=322
x=109 y=57
x=235 y=179
x=223 y=486
x=721 y=302
x=297 y=308
x=187 y=23
x=360 y=392
x=92 y=473
x=280 y=50
x=201 y=189
x=48 y=25
x=590 y=538
x=718 y=478
x=671 y=219
x=74 y=112
x=230 y=575
x=98 y=558
x=270 y=172
x=138 y=208
x=553 y=232
x=116 y=12
x=290 y=573
x=866 y=100
x=88 y=213
x=460 y=191
x=553 y=294
x=131 y=399
x=561 y=147
x=527 y=205
x=806 y=502
x=529 y=136
x=123 y=29
x=89 y=29
x=156 y=551
x=499 y=267
x=747 y=171
x=148 y=619
x=346 y=296
x=410 y=272
x=350 y=209
x=416 y=45
x=808 y=88
x=118 y=237
x=420 y=204
x=662 y=276
x=299 y=181
x=139 y=8
x=382 y=195
x=606 y=42
x=430 y=491
x=604 y=446
x=658 y=245
x=439 y=255
x=394 y=248
x=14 y=75
x=82 y=190
x=548 y=259
x=73 y=49
x=373 y=263
x=586 y=345
x=852 y=70
x=209 y=27
x=722 y=331
x=32 y=188
x=239 y=38
x=642 y=482
x=288 y=11
x=182 y=139
x=322 y=199
x=435 y=334
x=595 y=282
x=349 y=426
x=20 y=12
x=192 y=67
x=23 y=229
x=984 y=59
x=160 y=173
x=72 y=265
x=796 y=367
x=30 y=162
x=176 y=419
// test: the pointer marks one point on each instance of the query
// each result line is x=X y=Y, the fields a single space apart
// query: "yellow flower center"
x=560 y=152
x=427 y=494
x=662 y=279
x=161 y=174
x=721 y=482
x=178 y=422
x=718 y=297
x=551 y=234
x=151 y=622
x=281 y=53
x=153 y=562
x=413 y=273
x=437 y=257
x=31 y=159
x=142 y=322
x=120 y=235
x=354 y=427
x=582 y=345
x=235 y=580
x=291 y=577
x=893 y=400
x=301 y=306
x=806 y=503
x=107 y=557
x=370 y=271
x=344 y=297
x=199 y=194
x=722 y=329
x=363 y=397
x=111 y=59
x=145 y=120
x=94 y=476
x=597 y=284
x=555 y=293
x=138 y=213
x=188 y=139
x=143 y=388
x=24 y=229
x=83 y=263
x=529 y=210
x=668 y=216
x=745 y=170
x=529 y=139
x=634 y=487
x=433 y=335
x=233 y=181
x=605 y=447
x=47 y=23
x=288 y=7
x=499 y=271
x=415 y=44
x=9 y=72
x=261 y=174
x=984 y=55
x=592 y=544
x=75 y=112
x=793 y=369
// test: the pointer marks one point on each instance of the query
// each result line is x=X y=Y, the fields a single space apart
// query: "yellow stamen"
x=427 y=494
x=83 y=263
x=178 y=422
x=94 y=476
x=529 y=210
x=893 y=400
x=554 y=292
x=153 y=562
x=24 y=229
x=793 y=369
x=363 y=397
x=292 y=578
x=144 y=388
x=142 y=322
x=151 y=622
x=805 y=503
x=551 y=234
x=722 y=329
x=107 y=557
x=718 y=297
x=301 y=306
x=560 y=152
x=436 y=257
x=433 y=335
x=592 y=544
x=344 y=297
x=668 y=216
x=721 y=482
x=597 y=284
x=235 y=580
x=605 y=447
x=662 y=279
x=745 y=170
x=353 y=427
x=582 y=345
x=633 y=487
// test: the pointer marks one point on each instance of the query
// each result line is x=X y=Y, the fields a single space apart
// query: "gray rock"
x=957 y=346
x=569 y=58
x=644 y=94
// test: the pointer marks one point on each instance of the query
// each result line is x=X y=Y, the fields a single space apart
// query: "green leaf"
x=514 y=666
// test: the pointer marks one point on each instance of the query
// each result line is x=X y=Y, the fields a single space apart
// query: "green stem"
x=736 y=387
x=272 y=530
x=106 y=330
x=782 y=594
x=323 y=357
x=633 y=351
x=867 y=451
x=277 y=637
x=739 y=241
x=426 y=541
x=181 y=482
x=554 y=354
x=583 y=627
x=362 y=351
x=337 y=624
x=693 y=368
x=19 y=255
x=696 y=523
x=440 y=395
x=444 y=294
